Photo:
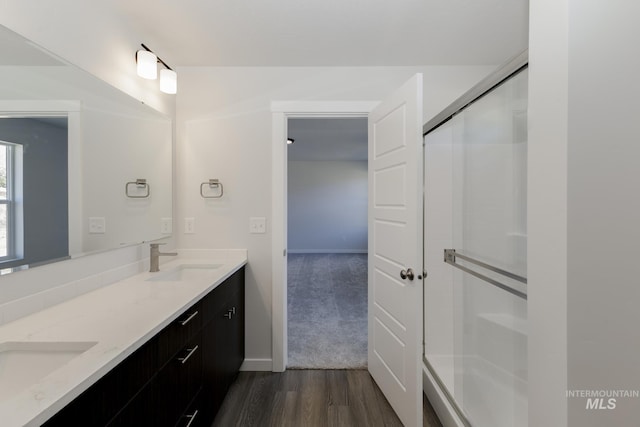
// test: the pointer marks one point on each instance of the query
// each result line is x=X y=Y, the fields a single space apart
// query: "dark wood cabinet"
x=224 y=346
x=179 y=377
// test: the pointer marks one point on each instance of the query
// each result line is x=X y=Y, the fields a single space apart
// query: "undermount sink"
x=185 y=272
x=25 y=363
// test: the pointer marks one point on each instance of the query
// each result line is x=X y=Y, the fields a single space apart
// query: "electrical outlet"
x=257 y=225
x=97 y=225
x=165 y=226
x=189 y=225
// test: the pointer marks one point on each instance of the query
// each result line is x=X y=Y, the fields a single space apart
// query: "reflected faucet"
x=154 y=258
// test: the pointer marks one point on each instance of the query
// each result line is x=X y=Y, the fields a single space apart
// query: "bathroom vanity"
x=182 y=373
x=156 y=349
x=101 y=340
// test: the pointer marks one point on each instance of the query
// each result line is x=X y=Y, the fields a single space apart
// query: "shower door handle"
x=407 y=274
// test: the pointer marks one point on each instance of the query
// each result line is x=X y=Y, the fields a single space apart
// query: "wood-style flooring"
x=310 y=398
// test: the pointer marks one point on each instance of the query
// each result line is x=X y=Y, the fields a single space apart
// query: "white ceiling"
x=330 y=32
x=327 y=139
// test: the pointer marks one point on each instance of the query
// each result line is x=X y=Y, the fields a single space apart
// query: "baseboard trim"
x=257 y=365
x=327 y=251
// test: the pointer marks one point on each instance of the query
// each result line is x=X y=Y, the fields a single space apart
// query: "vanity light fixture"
x=290 y=141
x=147 y=64
x=147 y=67
x=168 y=81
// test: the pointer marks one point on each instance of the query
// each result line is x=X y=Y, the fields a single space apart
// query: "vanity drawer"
x=196 y=415
x=139 y=411
x=103 y=400
x=179 y=382
x=174 y=337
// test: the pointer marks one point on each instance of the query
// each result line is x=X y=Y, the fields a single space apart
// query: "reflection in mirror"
x=33 y=175
x=69 y=144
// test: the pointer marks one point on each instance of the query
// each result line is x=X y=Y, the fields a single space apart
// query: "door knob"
x=407 y=274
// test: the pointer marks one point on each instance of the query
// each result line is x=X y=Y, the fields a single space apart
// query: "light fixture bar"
x=159 y=59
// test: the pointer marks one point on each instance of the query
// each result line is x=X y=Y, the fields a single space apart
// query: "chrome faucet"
x=154 y=258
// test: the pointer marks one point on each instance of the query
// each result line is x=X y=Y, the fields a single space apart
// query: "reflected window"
x=8 y=193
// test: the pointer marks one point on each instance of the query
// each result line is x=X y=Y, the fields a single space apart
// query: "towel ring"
x=140 y=183
x=212 y=183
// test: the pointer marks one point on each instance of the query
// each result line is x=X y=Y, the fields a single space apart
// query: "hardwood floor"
x=309 y=398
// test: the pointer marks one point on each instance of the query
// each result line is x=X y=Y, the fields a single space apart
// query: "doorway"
x=395 y=128
x=327 y=243
x=282 y=112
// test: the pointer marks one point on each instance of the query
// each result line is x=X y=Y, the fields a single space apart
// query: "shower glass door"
x=475 y=203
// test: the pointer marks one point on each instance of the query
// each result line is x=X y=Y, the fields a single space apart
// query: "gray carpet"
x=327 y=311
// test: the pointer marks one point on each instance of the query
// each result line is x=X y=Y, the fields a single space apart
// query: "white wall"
x=603 y=207
x=327 y=206
x=547 y=212
x=224 y=131
x=584 y=209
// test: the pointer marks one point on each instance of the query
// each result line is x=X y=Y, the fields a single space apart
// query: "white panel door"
x=395 y=249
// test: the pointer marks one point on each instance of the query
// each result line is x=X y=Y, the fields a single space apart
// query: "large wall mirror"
x=83 y=166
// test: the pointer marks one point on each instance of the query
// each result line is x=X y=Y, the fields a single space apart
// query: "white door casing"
x=281 y=112
x=395 y=246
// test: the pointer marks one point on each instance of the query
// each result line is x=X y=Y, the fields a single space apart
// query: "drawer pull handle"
x=191 y=417
x=229 y=314
x=188 y=319
x=183 y=360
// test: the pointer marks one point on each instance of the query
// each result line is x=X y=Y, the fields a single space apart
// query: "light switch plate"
x=257 y=225
x=165 y=226
x=97 y=225
x=189 y=225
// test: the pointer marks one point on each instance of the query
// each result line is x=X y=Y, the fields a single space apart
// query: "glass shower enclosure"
x=475 y=234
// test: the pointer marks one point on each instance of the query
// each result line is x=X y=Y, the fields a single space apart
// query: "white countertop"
x=120 y=318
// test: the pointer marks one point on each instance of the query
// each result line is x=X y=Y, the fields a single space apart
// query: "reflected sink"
x=25 y=363
x=185 y=272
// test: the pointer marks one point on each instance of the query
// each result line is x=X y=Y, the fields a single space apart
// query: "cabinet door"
x=223 y=344
x=215 y=350
x=235 y=335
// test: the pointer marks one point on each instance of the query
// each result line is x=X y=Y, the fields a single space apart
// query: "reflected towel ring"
x=140 y=183
x=213 y=184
